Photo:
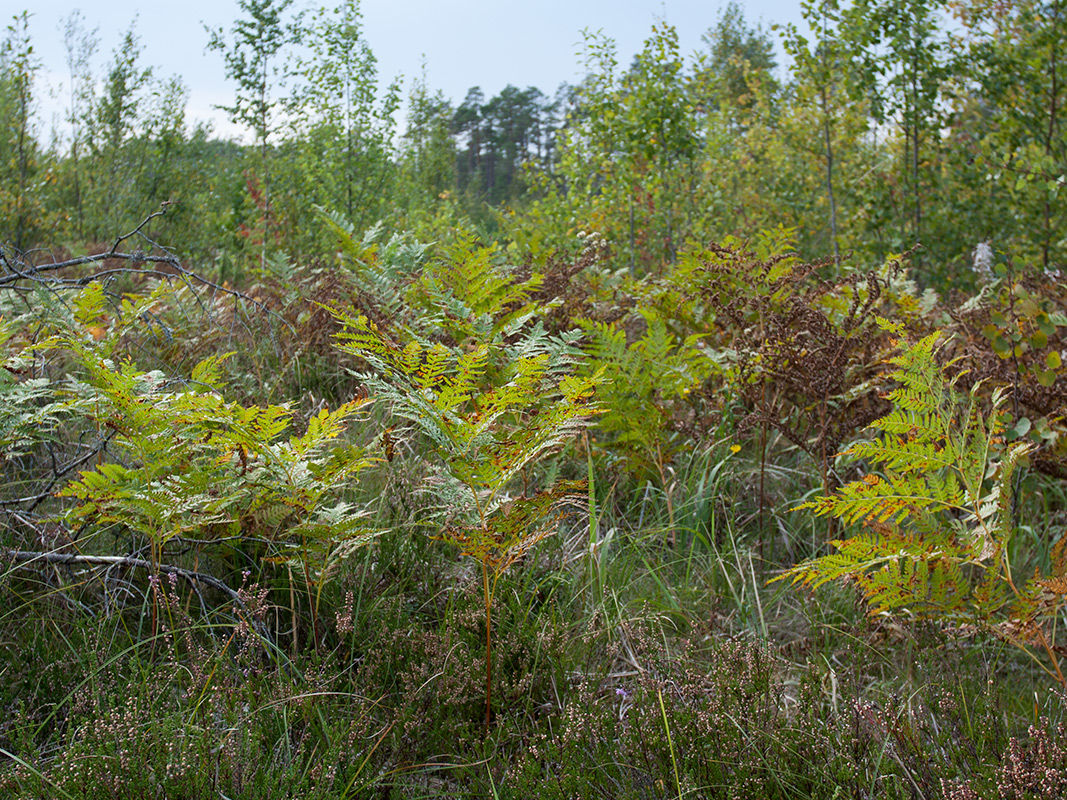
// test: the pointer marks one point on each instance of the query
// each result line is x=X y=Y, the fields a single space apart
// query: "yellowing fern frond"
x=937 y=514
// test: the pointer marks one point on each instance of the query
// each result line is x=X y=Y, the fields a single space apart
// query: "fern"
x=936 y=513
x=489 y=411
x=190 y=464
x=491 y=393
x=29 y=415
x=470 y=298
x=383 y=273
x=645 y=383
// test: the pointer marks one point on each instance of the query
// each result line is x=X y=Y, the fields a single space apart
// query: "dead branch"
x=25 y=558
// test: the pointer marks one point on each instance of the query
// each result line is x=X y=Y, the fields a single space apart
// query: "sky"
x=486 y=43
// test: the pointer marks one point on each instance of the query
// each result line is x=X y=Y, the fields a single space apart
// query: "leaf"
x=1045 y=324
x=1020 y=429
x=1001 y=346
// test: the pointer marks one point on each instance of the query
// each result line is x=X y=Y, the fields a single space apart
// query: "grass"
x=638 y=653
x=625 y=668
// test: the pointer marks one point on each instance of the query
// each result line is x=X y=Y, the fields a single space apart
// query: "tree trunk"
x=830 y=172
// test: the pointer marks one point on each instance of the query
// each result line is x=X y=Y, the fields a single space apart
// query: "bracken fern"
x=188 y=464
x=937 y=518
x=491 y=393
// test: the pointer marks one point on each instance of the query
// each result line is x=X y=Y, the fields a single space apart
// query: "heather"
x=706 y=442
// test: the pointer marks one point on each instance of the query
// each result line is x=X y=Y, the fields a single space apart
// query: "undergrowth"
x=443 y=526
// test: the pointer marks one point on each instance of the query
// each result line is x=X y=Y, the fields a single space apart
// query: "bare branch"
x=20 y=271
x=25 y=558
x=58 y=472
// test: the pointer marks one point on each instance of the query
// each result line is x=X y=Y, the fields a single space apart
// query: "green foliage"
x=29 y=413
x=428 y=152
x=491 y=393
x=136 y=443
x=1013 y=333
x=796 y=352
x=494 y=400
x=824 y=81
x=22 y=212
x=254 y=56
x=741 y=58
x=651 y=154
x=501 y=135
x=179 y=424
x=938 y=513
x=187 y=463
x=251 y=53
x=1021 y=153
x=339 y=152
x=643 y=382
x=628 y=151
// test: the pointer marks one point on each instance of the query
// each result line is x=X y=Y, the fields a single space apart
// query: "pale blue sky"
x=479 y=42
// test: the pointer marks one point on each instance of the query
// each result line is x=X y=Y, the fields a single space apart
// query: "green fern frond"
x=191 y=461
x=938 y=508
x=515 y=528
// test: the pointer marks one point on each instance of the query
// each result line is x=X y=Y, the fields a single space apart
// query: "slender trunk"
x=670 y=233
x=830 y=172
x=915 y=181
x=75 y=137
x=295 y=615
x=915 y=143
x=348 y=176
x=266 y=202
x=312 y=605
x=23 y=159
x=632 y=265
x=263 y=122
x=762 y=468
x=1049 y=134
x=668 y=206
x=79 y=214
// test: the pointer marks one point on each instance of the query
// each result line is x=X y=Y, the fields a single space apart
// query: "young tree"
x=741 y=61
x=821 y=72
x=630 y=146
x=429 y=155
x=253 y=54
x=20 y=208
x=342 y=118
x=112 y=126
x=1023 y=146
x=81 y=45
x=902 y=58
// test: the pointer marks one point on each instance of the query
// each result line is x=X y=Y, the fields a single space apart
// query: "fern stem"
x=1052 y=657
x=762 y=466
x=667 y=493
x=312 y=604
x=488 y=644
x=1049 y=651
x=293 y=614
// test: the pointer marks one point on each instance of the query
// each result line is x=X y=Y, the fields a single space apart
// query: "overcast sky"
x=486 y=43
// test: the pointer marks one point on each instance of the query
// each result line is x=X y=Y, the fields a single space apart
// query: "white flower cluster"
x=593 y=241
x=983 y=261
